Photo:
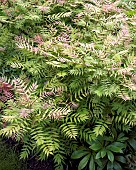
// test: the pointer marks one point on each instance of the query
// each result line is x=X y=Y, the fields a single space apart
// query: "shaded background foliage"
x=68 y=82
x=9 y=160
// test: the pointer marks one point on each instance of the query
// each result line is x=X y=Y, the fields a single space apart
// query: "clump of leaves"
x=107 y=152
x=72 y=68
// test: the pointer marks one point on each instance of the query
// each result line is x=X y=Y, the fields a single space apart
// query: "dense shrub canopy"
x=68 y=82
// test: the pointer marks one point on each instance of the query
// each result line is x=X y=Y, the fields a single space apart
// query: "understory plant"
x=9 y=159
x=68 y=80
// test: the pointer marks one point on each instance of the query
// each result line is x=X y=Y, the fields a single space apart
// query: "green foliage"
x=105 y=152
x=9 y=159
x=68 y=79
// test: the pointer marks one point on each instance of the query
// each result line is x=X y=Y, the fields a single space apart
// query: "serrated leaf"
x=99 y=91
x=62 y=74
x=24 y=154
x=81 y=23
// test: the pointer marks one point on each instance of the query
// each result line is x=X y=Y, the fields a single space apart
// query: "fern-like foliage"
x=71 y=74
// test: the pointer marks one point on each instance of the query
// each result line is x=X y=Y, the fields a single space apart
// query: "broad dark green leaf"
x=119 y=144
x=132 y=142
x=78 y=154
x=103 y=152
x=120 y=159
x=114 y=148
x=117 y=166
x=109 y=138
x=110 y=156
x=110 y=166
x=99 y=168
x=98 y=155
x=99 y=163
x=121 y=137
x=92 y=164
x=96 y=146
x=83 y=162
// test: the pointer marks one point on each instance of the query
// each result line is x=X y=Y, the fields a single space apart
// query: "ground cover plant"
x=9 y=160
x=68 y=81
